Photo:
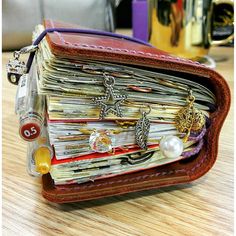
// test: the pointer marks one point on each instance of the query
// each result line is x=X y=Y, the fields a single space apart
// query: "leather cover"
x=126 y=52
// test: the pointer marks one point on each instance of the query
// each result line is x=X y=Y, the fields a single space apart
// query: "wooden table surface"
x=202 y=208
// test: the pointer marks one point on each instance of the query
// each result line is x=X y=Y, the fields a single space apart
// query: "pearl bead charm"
x=171 y=146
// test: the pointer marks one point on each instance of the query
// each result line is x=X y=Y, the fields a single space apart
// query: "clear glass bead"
x=101 y=141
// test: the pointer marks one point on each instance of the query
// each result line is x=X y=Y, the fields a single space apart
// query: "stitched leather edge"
x=100 y=47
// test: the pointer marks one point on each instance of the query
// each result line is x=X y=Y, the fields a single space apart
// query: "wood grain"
x=204 y=207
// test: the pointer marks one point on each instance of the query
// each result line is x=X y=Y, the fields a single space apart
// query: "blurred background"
x=186 y=28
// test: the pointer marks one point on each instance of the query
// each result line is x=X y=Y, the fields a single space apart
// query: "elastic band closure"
x=81 y=31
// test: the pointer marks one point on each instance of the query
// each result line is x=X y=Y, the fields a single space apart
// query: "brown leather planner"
x=112 y=49
x=121 y=51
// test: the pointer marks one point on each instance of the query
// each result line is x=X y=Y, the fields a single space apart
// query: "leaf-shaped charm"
x=142 y=130
x=189 y=118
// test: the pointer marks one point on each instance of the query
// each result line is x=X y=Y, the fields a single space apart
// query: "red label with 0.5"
x=30 y=131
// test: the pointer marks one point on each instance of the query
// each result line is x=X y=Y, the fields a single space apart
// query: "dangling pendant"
x=110 y=103
x=101 y=141
x=171 y=146
x=142 y=130
x=189 y=118
x=15 y=68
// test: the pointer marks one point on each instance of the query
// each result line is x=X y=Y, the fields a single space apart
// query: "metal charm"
x=142 y=130
x=111 y=101
x=15 y=67
x=189 y=118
